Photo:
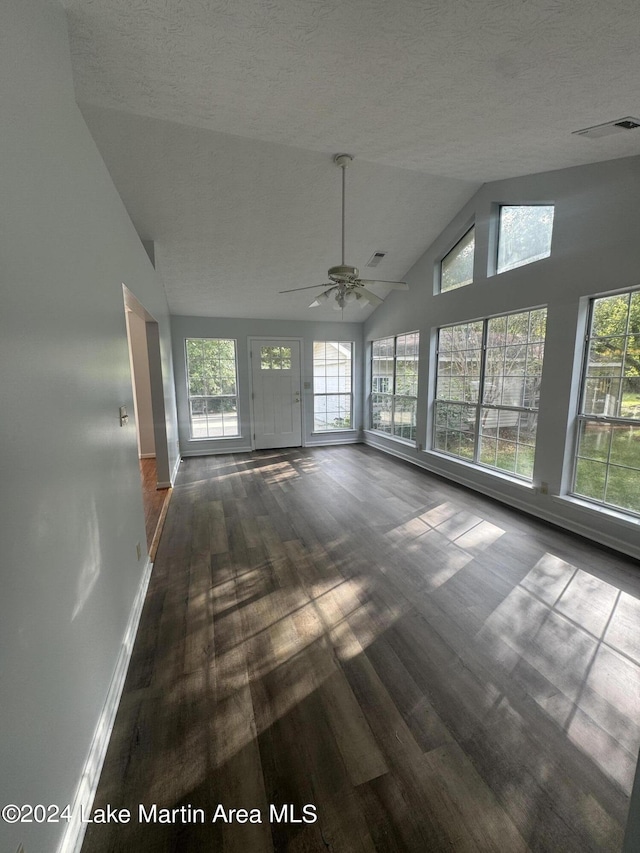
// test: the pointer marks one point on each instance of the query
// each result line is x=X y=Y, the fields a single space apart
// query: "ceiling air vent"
x=375 y=259
x=618 y=126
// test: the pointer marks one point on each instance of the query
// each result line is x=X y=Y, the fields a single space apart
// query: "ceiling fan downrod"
x=345 y=285
x=343 y=161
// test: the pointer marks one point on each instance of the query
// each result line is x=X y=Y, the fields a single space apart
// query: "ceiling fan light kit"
x=322 y=297
x=345 y=283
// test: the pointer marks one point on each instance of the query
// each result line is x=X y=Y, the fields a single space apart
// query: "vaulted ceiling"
x=219 y=119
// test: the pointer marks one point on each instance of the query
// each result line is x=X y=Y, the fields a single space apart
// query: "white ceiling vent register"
x=620 y=125
x=375 y=259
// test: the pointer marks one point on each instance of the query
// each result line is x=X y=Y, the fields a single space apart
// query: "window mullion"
x=585 y=358
x=395 y=385
x=483 y=368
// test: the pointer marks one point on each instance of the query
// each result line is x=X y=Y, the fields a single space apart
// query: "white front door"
x=277 y=410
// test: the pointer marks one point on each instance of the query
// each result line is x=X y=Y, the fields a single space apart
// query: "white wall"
x=71 y=508
x=241 y=331
x=595 y=249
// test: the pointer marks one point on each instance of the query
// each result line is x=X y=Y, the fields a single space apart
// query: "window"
x=332 y=385
x=487 y=390
x=524 y=235
x=212 y=387
x=607 y=465
x=456 y=268
x=275 y=358
x=394 y=385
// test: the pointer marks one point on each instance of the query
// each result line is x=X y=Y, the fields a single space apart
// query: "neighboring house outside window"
x=487 y=390
x=394 y=385
x=212 y=385
x=332 y=385
x=607 y=464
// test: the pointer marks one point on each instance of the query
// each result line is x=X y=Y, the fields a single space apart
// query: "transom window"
x=332 y=393
x=607 y=465
x=212 y=385
x=456 y=268
x=487 y=390
x=394 y=385
x=524 y=235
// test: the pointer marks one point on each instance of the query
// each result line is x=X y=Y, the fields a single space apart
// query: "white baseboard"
x=393 y=447
x=174 y=473
x=217 y=451
x=146 y=456
x=327 y=442
x=164 y=484
x=85 y=792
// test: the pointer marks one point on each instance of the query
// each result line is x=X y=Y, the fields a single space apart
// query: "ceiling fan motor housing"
x=343 y=274
x=342 y=160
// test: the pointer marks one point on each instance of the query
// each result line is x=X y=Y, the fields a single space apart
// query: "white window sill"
x=494 y=473
x=216 y=438
x=408 y=442
x=623 y=518
x=337 y=431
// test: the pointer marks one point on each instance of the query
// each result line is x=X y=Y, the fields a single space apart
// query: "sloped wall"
x=71 y=507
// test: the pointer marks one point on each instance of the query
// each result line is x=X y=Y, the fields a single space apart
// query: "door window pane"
x=275 y=358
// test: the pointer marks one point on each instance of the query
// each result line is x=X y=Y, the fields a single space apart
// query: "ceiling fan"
x=345 y=283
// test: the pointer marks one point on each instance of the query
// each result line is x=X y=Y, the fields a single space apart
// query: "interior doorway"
x=148 y=402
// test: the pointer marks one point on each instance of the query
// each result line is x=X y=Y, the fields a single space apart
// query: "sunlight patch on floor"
x=279 y=472
x=468 y=531
x=297 y=637
x=559 y=631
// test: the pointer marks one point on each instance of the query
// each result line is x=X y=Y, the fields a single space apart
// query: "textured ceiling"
x=218 y=120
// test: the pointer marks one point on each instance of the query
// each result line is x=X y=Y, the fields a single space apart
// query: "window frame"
x=391 y=396
x=348 y=394
x=583 y=418
x=480 y=405
x=207 y=397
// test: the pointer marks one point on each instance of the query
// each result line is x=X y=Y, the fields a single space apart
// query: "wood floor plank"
x=426 y=669
x=424 y=723
x=439 y=828
x=362 y=758
x=484 y=819
x=236 y=754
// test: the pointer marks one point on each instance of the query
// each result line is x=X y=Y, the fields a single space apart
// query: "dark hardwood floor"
x=427 y=668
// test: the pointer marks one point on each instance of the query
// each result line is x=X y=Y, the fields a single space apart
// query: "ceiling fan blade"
x=311 y=286
x=371 y=298
x=396 y=285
